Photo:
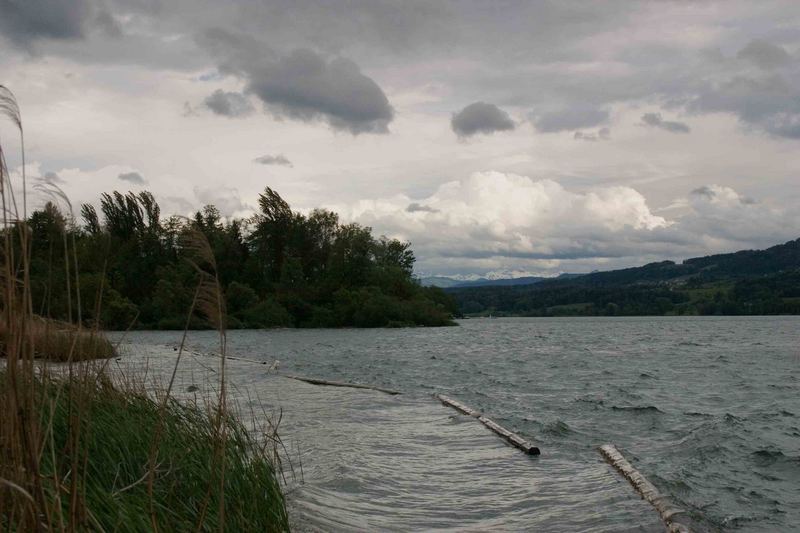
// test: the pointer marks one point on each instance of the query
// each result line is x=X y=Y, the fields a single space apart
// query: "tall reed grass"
x=81 y=449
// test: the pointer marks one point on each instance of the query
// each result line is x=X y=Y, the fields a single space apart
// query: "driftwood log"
x=255 y=362
x=671 y=515
x=272 y=364
x=327 y=383
x=512 y=438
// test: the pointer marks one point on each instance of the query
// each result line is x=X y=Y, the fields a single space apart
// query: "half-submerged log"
x=671 y=515
x=512 y=438
x=254 y=361
x=273 y=364
x=458 y=406
x=327 y=383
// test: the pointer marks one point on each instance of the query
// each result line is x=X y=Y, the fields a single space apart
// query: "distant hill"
x=447 y=283
x=745 y=282
x=737 y=265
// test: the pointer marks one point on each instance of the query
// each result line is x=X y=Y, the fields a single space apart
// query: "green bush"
x=265 y=314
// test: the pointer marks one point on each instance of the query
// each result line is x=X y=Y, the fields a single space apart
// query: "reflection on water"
x=708 y=409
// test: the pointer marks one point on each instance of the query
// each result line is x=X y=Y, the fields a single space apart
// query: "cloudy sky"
x=501 y=138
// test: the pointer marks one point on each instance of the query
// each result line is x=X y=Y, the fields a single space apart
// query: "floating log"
x=324 y=382
x=671 y=515
x=458 y=406
x=255 y=362
x=512 y=438
x=232 y=358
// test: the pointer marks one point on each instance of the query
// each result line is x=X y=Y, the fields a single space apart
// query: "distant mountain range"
x=448 y=283
x=745 y=282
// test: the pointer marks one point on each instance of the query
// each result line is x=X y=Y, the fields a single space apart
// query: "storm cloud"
x=229 y=104
x=655 y=120
x=769 y=103
x=303 y=85
x=764 y=54
x=480 y=117
x=26 y=22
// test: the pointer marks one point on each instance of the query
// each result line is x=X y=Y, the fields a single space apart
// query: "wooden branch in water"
x=512 y=438
x=458 y=406
x=273 y=364
x=670 y=515
x=315 y=381
x=255 y=362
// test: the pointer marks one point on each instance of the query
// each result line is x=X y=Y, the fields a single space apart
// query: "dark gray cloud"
x=229 y=104
x=303 y=85
x=415 y=207
x=603 y=134
x=569 y=118
x=499 y=56
x=24 y=22
x=764 y=54
x=705 y=191
x=132 y=177
x=655 y=120
x=769 y=103
x=480 y=117
x=279 y=159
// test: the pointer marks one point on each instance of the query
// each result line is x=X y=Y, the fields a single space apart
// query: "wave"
x=698 y=414
x=732 y=419
x=637 y=408
x=768 y=457
x=601 y=402
x=558 y=427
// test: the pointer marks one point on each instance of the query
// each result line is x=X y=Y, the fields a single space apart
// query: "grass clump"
x=111 y=443
x=61 y=341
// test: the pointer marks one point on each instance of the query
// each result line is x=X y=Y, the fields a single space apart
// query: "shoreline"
x=357 y=459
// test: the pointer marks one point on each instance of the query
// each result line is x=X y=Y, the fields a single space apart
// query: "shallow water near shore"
x=707 y=408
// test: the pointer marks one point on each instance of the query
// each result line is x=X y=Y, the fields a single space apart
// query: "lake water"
x=708 y=408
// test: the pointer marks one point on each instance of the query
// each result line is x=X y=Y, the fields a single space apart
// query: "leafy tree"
x=278 y=269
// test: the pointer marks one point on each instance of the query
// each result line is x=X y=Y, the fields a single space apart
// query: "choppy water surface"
x=707 y=408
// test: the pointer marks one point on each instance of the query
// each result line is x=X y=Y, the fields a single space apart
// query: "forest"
x=278 y=268
x=749 y=282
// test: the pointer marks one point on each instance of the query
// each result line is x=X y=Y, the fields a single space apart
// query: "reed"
x=61 y=341
x=110 y=429
x=84 y=449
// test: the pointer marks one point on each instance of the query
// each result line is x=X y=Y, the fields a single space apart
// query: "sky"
x=501 y=139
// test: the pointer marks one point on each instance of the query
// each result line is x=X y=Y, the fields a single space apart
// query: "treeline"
x=279 y=268
x=771 y=295
x=745 y=283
